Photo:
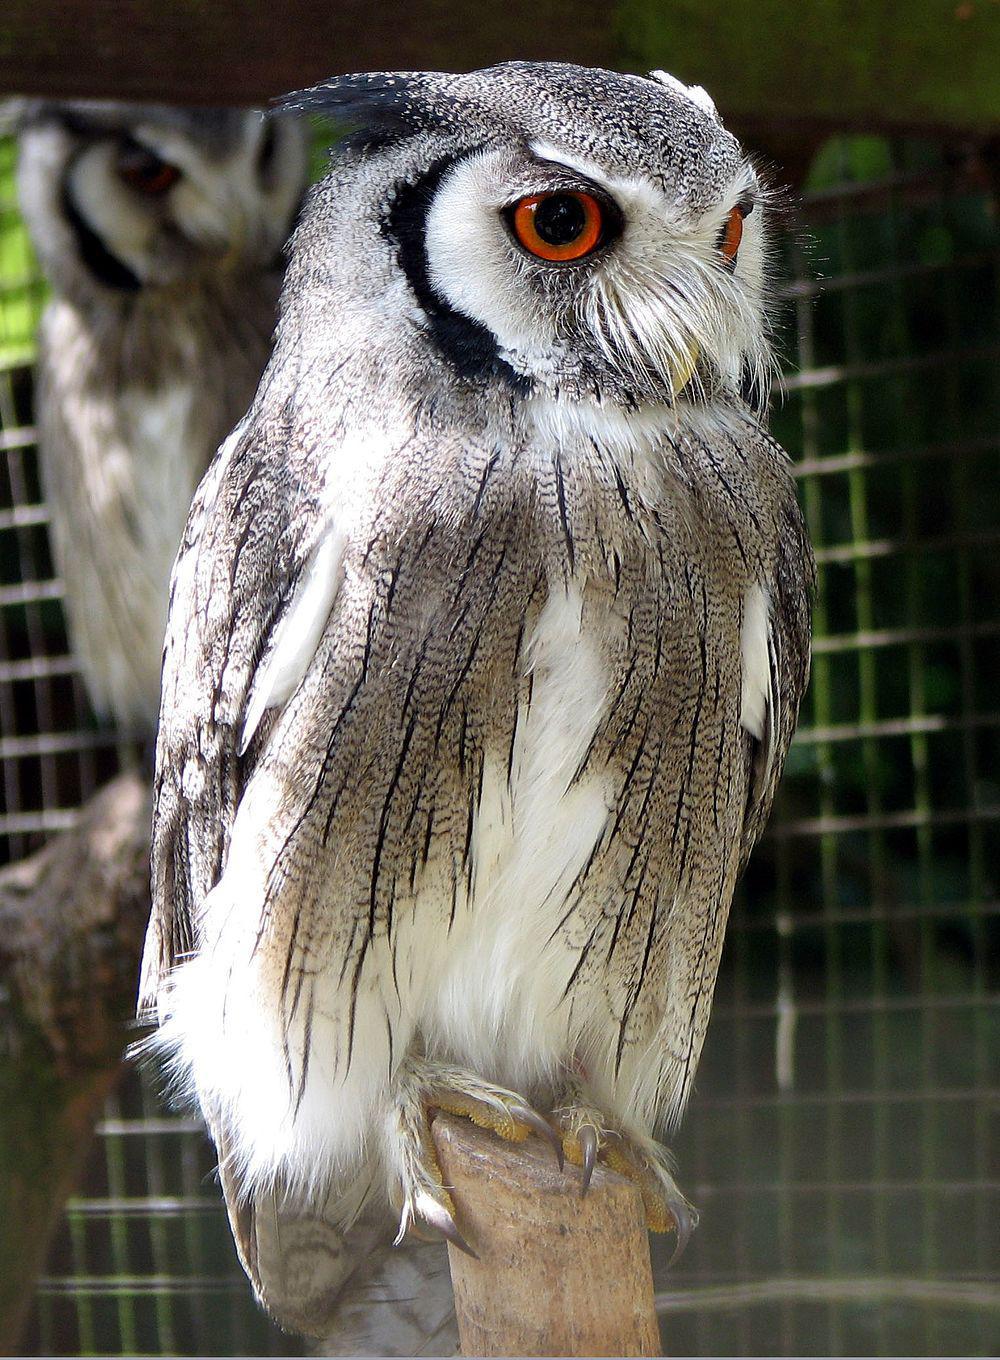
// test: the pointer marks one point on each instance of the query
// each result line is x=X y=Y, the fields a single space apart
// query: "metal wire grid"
x=841 y=1128
x=144 y=1262
x=839 y=1141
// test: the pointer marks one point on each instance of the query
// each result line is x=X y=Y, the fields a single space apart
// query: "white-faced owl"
x=486 y=643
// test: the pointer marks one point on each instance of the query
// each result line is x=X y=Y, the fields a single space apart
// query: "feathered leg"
x=421 y=1087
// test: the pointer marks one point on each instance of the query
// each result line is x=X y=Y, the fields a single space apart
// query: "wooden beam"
x=558 y=1273
x=249 y=51
x=768 y=63
x=869 y=65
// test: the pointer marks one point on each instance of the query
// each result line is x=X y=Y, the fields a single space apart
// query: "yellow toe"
x=483 y=1114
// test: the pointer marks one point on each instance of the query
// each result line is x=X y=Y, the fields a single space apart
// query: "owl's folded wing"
x=251 y=590
x=789 y=592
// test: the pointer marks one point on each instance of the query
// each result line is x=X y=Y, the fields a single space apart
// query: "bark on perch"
x=71 y=926
x=558 y=1274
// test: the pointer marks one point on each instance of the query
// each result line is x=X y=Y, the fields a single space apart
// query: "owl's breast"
x=607 y=826
x=120 y=476
x=128 y=422
x=538 y=819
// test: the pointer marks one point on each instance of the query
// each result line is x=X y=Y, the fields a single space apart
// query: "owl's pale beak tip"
x=685 y=371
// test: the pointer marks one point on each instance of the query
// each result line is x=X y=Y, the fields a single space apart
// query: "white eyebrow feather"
x=545 y=151
x=638 y=187
x=631 y=192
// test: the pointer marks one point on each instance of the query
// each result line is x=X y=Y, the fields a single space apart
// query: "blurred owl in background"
x=161 y=232
x=485 y=648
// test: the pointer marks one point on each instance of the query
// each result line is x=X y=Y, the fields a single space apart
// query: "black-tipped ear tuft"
x=383 y=106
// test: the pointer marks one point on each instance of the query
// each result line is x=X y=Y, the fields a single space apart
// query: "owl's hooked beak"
x=683 y=374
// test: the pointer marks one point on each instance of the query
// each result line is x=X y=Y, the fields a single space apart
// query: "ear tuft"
x=695 y=93
x=385 y=106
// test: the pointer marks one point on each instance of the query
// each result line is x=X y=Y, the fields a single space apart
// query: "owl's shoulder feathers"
x=247 y=592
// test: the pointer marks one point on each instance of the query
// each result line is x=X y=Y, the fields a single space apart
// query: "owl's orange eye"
x=732 y=233
x=144 y=171
x=562 y=226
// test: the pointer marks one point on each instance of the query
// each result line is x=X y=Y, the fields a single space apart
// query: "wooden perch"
x=558 y=1273
x=71 y=925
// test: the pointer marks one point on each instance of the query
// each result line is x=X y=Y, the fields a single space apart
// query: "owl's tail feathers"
x=296 y=1259
x=349 y=1289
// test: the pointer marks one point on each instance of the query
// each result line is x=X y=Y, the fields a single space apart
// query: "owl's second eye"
x=732 y=234
x=145 y=171
x=567 y=225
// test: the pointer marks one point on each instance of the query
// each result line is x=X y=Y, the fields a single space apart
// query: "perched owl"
x=161 y=232
x=485 y=647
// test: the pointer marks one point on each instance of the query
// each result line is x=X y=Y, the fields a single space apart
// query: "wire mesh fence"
x=839 y=1142
x=841 y=1125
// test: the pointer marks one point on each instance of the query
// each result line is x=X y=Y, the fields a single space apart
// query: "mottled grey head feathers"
x=662 y=305
x=628 y=116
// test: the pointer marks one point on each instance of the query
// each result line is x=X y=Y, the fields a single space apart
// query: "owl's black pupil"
x=559 y=219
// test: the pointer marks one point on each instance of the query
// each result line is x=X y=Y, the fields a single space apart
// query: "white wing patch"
x=755 y=649
x=298 y=633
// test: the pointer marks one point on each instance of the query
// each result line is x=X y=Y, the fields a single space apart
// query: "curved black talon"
x=587 y=1138
x=526 y=1115
x=686 y=1220
x=438 y=1217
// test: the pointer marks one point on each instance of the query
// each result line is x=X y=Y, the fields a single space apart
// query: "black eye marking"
x=467 y=344
x=266 y=150
x=106 y=268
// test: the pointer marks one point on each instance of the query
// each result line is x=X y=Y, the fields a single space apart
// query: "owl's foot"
x=588 y=1137
x=422 y=1087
